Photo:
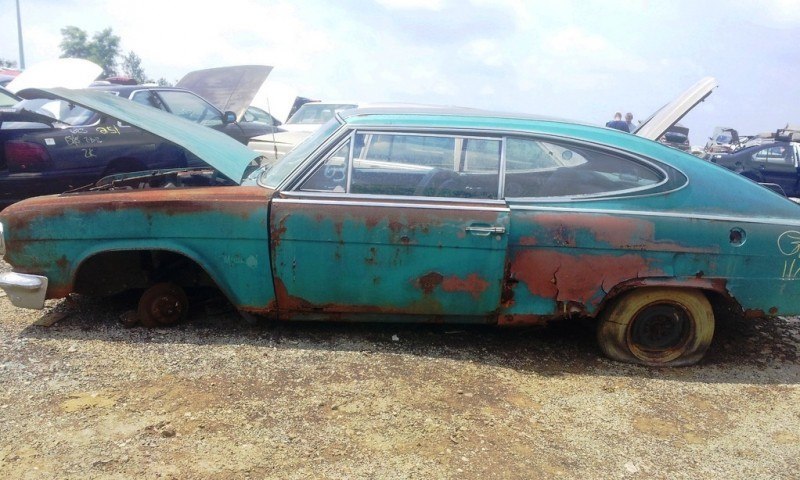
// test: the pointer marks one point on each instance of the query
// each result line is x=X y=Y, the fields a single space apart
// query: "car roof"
x=127 y=89
x=471 y=117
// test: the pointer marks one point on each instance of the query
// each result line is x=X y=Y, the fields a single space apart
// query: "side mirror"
x=228 y=117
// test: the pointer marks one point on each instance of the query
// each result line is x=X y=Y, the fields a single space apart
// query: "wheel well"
x=109 y=273
x=722 y=303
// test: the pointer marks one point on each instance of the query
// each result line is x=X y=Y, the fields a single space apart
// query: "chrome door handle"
x=485 y=231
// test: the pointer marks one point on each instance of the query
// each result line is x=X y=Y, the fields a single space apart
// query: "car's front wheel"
x=657 y=327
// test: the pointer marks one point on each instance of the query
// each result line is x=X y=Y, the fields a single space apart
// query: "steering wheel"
x=432 y=180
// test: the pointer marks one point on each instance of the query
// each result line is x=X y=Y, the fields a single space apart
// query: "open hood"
x=61 y=72
x=222 y=152
x=228 y=88
x=670 y=114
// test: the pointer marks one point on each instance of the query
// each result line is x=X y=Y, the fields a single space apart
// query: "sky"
x=580 y=60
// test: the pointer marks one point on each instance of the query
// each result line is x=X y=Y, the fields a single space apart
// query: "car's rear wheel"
x=162 y=304
x=657 y=327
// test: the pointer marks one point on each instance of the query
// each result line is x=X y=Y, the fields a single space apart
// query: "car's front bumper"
x=25 y=291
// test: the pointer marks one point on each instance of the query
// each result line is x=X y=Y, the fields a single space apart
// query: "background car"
x=192 y=107
x=777 y=162
x=255 y=114
x=52 y=146
x=677 y=137
x=308 y=117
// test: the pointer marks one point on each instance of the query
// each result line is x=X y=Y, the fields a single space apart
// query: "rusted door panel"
x=568 y=261
x=433 y=258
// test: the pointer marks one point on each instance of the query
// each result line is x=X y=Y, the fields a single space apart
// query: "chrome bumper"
x=24 y=291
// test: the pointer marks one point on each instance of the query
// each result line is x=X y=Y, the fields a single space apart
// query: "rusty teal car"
x=425 y=214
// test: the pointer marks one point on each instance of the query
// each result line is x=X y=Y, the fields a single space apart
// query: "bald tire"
x=657 y=327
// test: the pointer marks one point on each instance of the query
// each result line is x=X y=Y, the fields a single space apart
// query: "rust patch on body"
x=583 y=279
x=623 y=233
x=473 y=284
x=613 y=230
x=428 y=282
x=240 y=201
x=63 y=263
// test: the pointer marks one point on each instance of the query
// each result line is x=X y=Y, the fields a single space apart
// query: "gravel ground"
x=218 y=398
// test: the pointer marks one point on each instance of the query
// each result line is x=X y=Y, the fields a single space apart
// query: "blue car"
x=428 y=215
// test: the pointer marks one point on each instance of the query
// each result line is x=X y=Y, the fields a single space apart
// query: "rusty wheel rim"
x=660 y=332
x=163 y=304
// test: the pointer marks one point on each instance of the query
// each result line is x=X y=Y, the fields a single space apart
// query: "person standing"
x=617 y=123
x=629 y=121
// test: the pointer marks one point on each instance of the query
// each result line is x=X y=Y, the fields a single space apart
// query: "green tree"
x=74 y=43
x=7 y=63
x=102 y=49
x=105 y=50
x=132 y=67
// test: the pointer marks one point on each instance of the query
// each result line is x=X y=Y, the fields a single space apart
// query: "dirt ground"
x=220 y=398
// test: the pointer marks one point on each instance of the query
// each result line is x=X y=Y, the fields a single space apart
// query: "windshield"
x=274 y=175
x=317 y=113
x=59 y=109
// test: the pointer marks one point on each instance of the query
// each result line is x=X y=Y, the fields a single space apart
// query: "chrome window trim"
x=349 y=179
x=501 y=187
x=653 y=213
x=502 y=134
x=399 y=198
x=434 y=132
x=337 y=200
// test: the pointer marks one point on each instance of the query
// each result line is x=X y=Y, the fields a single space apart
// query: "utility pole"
x=19 y=39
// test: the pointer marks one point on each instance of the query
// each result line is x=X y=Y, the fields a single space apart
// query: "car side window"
x=774 y=154
x=538 y=168
x=331 y=175
x=191 y=107
x=145 y=97
x=425 y=165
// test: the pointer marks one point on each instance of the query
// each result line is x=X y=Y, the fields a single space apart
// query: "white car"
x=306 y=120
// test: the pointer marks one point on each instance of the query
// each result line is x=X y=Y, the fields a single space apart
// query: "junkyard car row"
x=50 y=146
x=424 y=214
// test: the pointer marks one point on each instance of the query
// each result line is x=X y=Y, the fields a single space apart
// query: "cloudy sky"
x=573 y=59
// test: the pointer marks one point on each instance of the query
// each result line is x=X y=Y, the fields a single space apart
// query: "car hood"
x=222 y=152
x=228 y=88
x=62 y=72
x=670 y=114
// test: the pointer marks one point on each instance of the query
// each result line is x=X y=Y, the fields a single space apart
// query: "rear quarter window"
x=540 y=168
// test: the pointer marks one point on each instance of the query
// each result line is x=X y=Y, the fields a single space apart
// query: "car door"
x=390 y=225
